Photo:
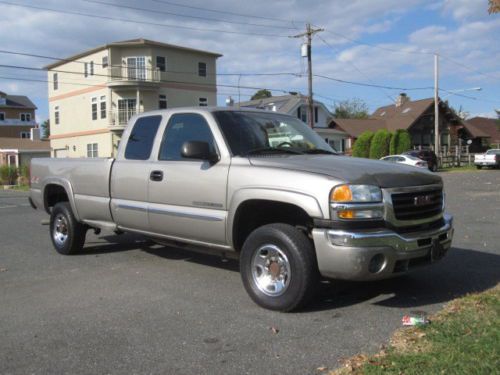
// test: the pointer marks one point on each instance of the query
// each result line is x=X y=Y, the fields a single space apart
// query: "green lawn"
x=464 y=338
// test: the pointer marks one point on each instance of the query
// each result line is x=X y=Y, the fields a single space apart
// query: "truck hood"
x=352 y=170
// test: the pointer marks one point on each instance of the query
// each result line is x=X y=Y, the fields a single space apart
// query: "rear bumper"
x=486 y=163
x=378 y=254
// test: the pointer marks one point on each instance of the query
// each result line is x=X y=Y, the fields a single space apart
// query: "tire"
x=67 y=234
x=286 y=256
x=434 y=168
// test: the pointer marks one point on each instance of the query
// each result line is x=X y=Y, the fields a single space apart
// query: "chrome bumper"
x=378 y=254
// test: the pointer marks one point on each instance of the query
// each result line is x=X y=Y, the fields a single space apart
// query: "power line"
x=487 y=75
x=223 y=11
x=140 y=22
x=373 y=85
x=146 y=68
x=156 y=11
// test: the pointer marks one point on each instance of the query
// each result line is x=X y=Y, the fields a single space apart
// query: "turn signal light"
x=341 y=193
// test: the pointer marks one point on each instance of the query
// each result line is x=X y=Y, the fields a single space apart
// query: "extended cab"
x=258 y=184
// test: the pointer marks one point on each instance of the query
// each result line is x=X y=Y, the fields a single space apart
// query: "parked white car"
x=406 y=159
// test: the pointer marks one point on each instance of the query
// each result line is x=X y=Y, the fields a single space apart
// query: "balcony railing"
x=13 y=121
x=120 y=117
x=127 y=73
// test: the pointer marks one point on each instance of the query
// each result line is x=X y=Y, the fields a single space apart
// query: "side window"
x=182 y=128
x=141 y=139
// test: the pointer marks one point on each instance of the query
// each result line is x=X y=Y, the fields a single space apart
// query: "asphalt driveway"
x=127 y=305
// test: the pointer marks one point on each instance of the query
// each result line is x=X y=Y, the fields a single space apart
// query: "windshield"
x=493 y=152
x=252 y=132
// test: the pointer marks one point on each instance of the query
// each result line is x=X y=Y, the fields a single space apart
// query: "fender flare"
x=66 y=185
x=304 y=201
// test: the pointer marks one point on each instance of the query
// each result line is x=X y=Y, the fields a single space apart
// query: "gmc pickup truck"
x=259 y=185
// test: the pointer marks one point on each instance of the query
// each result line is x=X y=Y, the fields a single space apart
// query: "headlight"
x=362 y=202
x=356 y=193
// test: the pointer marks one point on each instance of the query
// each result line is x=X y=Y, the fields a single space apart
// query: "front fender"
x=306 y=202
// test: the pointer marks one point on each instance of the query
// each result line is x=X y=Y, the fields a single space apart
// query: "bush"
x=400 y=142
x=380 y=144
x=8 y=175
x=361 y=148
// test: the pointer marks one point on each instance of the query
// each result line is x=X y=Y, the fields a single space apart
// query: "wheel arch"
x=57 y=190
x=251 y=208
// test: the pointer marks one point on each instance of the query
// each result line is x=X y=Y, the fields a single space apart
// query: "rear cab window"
x=142 y=137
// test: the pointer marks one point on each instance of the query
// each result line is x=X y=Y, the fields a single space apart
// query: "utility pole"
x=436 y=104
x=310 y=102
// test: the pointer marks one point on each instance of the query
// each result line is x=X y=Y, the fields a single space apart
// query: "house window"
x=91 y=68
x=56 y=115
x=103 y=106
x=55 y=81
x=202 y=69
x=203 y=102
x=85 y=69
x=25 y=135
x=2 y=116
x=161 y=64
x=94 y=108
x=298 y=113
x=26 y=117
x=316 y=115
x=105 y=61
x=92 y=150
x=162 y=102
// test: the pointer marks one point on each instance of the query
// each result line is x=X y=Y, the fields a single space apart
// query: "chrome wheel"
x=271 y=270
x=60 y=233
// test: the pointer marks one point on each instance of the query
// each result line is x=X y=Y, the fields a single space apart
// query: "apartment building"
x=17 y=116
x=92 y=95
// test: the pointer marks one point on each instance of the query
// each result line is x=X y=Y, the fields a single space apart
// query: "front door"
x=188 y=197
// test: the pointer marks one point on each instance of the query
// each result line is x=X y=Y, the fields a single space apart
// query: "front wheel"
x=67 y=234
x=278 y=267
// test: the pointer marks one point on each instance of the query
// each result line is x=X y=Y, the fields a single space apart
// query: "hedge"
x=8 y=175
x=400 y=142
x=380 y=144
x=361 y=148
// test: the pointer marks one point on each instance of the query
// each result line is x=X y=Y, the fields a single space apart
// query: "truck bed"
x=87 y=178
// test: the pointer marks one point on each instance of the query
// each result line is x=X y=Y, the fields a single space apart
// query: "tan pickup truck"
x=257 y=184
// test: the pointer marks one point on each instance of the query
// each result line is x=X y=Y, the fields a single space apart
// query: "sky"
x=388 y=43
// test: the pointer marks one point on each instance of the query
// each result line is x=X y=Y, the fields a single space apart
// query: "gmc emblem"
x=422 y=200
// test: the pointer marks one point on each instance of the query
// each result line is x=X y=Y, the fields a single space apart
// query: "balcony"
x=119 y=118
x=17 y=122
x=133 y=75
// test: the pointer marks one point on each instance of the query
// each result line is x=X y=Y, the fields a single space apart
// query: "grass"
x=464 y=338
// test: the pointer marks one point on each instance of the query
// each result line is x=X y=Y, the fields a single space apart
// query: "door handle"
x=156 y=176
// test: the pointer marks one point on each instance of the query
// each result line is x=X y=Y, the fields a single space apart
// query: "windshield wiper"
x=319 y=151
x=267 y=150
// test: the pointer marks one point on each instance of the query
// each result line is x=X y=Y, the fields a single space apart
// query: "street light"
x=458 y=91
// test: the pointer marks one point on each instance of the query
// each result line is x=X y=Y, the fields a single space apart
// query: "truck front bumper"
x=378 y=254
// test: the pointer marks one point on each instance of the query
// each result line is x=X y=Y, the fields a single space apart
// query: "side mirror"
x=198 y=150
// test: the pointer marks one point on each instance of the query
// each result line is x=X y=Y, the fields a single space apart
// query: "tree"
x=361 y=148
x=261 y=94
x=46 y=129
x=351 y=108
x=400 y=142
x=379 y=146
x=494 y=6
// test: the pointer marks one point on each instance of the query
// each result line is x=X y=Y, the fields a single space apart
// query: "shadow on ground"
x=462 y=271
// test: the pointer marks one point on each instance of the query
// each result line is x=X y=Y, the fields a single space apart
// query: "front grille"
x=417 y=205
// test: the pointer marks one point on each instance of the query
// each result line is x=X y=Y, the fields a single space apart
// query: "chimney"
x=402 y=99
x=229 y=102
x=35 y=134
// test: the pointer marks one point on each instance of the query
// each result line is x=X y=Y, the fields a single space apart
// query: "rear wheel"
x=278 y=267
x=434 y=168
x=67 y=234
